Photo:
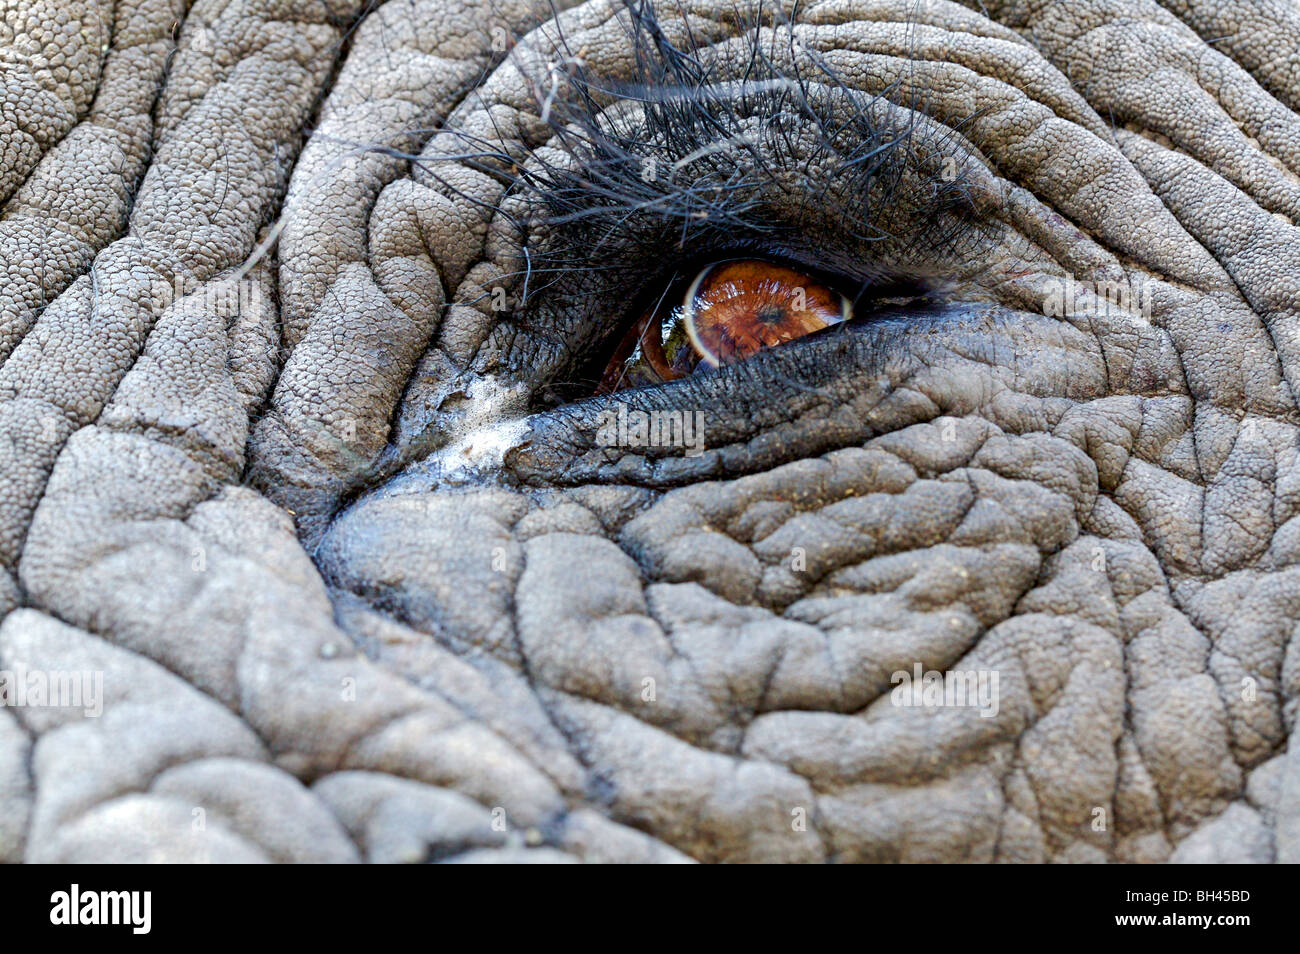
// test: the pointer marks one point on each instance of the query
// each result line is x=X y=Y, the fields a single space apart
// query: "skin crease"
x=358 y=592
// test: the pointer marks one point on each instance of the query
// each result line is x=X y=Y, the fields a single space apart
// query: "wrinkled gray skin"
x=355 y=597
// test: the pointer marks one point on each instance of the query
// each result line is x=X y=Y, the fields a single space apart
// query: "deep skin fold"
x=354 y=582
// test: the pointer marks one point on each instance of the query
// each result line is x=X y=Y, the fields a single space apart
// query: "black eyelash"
x=580 y=211
x=685 y=116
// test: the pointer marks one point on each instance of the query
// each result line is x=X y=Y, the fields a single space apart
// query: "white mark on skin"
x=482 y=449
x=494 y=424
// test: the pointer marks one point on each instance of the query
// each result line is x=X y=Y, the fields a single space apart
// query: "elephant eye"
x=728 y=312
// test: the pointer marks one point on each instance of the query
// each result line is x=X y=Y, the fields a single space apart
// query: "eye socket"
x=730 y=311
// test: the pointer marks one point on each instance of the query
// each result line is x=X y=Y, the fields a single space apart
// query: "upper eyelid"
x=602 y=192
x=640 y=169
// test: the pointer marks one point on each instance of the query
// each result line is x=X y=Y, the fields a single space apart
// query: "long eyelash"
x=690 y=118
x=687 y=120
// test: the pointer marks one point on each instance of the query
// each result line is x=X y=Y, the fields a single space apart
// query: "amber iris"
x=729 y=312
x=735 y=309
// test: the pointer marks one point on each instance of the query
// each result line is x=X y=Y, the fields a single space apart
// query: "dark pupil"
x=770 y=315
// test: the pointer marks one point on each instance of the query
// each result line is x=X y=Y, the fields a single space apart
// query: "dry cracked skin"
x=297 y=300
